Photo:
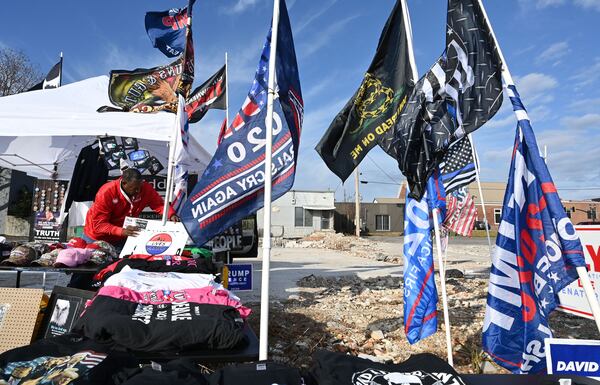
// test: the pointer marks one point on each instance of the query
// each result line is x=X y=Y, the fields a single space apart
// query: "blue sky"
x=550 y=46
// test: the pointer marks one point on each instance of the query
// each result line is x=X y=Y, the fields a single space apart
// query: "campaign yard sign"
x=154 y=238
x=239 y=276
x=578 y=357
x=572 y=298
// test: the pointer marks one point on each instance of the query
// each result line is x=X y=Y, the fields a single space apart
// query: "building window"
x=382 y=223
x=325 y=220
x=302 y=217
x=497 y=216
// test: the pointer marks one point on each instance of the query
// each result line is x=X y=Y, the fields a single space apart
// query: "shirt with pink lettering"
x=205 y=295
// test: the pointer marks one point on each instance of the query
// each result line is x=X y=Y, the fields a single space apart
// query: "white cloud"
x=585 y=105
x=589 y=4
x=585 y=122
x=241 y=5
x=308 y=20
x=554 y=53
x=535 y=88
x=548 y=3
x=587 y=75
x=324 y=36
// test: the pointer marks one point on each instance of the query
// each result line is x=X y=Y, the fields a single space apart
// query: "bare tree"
x=17 y=73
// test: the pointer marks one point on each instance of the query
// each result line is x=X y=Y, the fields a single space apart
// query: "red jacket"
x=104 y=220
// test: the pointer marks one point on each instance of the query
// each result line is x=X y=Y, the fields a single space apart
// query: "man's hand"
x=174 y=218
x=131 y=231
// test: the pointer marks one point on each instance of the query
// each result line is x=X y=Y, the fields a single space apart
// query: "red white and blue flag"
x=180 y=171
x=420 y=293
x=537 y=251
x=232 y=185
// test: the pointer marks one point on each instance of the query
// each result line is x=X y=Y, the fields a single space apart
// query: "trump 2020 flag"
x=167 y=30
x=420 y=293
x=537 y=252
x=232 y=185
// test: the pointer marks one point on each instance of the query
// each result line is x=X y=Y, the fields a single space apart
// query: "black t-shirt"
x=261 y=373
x=177 y=372
x=67 y=359
x=161 y=328
x=422 y=369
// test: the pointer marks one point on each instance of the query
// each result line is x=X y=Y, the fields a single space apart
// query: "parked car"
x=480 y=225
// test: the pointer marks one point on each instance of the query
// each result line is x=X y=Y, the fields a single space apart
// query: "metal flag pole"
x=171 y=165
x=264 y=293
x=581 y=270
x=356 y=203
x=478 y=179
x=438 y=239
x=442 y=269
x=61 y=71
x=226 y=91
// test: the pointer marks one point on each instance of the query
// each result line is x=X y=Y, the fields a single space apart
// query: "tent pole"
x=266 y=257
x=170 y=167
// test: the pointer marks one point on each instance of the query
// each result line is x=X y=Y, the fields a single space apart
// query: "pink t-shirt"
x=206 y=295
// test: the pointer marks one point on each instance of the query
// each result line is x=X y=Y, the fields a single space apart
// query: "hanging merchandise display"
x=48 y=198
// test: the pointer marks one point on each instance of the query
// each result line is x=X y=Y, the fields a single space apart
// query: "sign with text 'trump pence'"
x=572 y=298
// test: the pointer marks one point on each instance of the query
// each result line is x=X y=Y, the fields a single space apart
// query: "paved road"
x=288 y=265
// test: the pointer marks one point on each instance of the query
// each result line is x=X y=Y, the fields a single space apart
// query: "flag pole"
x=171 y=165
x=266 y=257
x=226 y=91
x=61 y=65
x=442 y=270
x=581 y=270
x=438 y=240
x=356 y=204
x=478 y=179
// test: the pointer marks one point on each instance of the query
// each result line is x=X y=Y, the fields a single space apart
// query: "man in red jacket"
x=126 y=196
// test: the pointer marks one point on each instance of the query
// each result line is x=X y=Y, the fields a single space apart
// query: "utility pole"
x=356 y=203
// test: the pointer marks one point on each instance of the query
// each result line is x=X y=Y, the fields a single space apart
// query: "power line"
x=380 y=169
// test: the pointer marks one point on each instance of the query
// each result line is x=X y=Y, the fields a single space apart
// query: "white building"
x=300 y=213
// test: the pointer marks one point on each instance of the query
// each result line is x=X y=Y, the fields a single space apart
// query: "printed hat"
x=47 y=260
x=73 y=257
x=77 y=243
x=20 y=256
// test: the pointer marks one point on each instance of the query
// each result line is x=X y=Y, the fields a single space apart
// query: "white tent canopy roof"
x=53 y=125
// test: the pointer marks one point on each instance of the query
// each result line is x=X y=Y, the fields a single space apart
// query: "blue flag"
x=537 y=251
x=420 y=293
x=232 y=185
x=167 y=29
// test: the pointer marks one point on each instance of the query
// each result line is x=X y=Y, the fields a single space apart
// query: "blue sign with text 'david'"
x=579 y=357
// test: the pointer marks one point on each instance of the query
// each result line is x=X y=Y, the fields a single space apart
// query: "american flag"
x=460 y=212
x=458 y=167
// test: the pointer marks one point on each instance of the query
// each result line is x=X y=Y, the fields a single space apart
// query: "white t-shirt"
x=140 y=281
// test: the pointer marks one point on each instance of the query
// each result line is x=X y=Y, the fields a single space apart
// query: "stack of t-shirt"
x=164 y=304
x=65 y=359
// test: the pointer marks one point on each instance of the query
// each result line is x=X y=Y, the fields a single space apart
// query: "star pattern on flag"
x=457 y=157
x=553 y=276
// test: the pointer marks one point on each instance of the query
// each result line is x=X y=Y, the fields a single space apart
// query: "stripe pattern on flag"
x=458 y=167
x=461 y=212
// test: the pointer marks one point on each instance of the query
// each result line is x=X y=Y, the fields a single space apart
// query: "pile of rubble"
x=358 y=247
x=365 y=318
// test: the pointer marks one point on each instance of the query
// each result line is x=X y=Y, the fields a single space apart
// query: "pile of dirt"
x=365 y=317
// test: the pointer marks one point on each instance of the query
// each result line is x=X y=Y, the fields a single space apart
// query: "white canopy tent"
x=40 y=129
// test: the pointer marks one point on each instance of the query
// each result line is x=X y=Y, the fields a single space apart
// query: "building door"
x=325 y=220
